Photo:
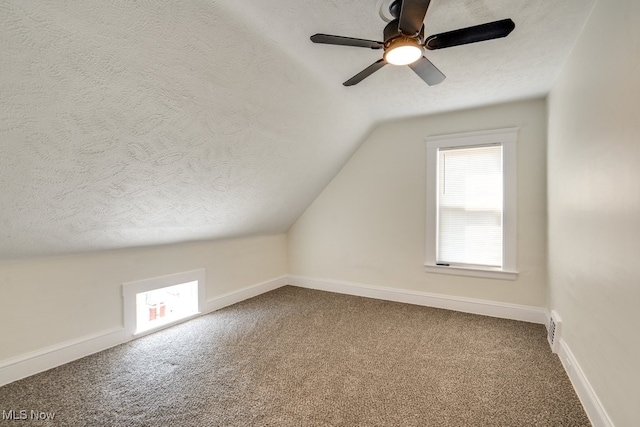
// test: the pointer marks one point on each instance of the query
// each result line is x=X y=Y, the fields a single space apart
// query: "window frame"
x=131 y=289
x=508 y=138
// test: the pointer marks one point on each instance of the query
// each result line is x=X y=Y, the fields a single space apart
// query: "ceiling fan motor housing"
x=392 y=31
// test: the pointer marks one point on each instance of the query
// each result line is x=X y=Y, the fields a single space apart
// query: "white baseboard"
x=34 y=362
x=468 y=305
x=234 y=297
x=47 y=358
x=592 y=405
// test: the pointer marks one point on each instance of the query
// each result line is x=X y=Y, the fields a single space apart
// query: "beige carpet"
x=296 y=357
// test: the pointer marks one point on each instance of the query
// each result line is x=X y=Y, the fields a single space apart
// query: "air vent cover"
x=553 y=331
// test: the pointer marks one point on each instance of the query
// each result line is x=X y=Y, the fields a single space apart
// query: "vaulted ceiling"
x=127 y=123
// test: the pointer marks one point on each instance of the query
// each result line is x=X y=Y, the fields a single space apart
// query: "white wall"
x=594 y=205
x=53 y=300
x=368 y=225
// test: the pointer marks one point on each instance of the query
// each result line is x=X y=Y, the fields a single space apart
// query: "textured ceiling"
x=129 y=123
x=523 y=65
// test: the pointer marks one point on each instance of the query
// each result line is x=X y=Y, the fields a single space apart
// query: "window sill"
x=166 y=325
x=471 y=272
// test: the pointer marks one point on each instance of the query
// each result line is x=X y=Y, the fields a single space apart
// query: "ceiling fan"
x=404 y=40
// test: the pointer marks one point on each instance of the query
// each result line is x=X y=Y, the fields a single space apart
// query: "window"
x=159 y=302
x=471 y=204
x=162 y=306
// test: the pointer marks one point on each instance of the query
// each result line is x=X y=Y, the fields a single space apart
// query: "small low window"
x=156 y=303
x=165 y=305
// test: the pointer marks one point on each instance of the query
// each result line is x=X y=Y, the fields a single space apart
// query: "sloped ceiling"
x=127 y=123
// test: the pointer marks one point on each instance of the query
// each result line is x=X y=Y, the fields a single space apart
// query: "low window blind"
x=470 y=206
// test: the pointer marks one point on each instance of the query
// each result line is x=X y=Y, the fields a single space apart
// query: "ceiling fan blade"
x=365 y=73
x=346 y=41
x=427 y=71
x=412 y=16
x=478 y=33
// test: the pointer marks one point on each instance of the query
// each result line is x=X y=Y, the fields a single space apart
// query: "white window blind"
x=470 y=206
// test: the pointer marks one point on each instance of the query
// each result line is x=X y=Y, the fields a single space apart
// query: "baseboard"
x=592 y=405
x=468 y=305
x=234 y=297
x=34 y=362
x=47 y=358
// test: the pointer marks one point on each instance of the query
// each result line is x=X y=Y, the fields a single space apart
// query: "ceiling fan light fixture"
x=403 y=51
x=404 y=39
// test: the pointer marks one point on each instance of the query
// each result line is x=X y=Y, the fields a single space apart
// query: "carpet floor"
x=298 y=357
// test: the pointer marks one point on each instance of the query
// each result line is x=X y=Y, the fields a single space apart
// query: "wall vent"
x=553 y=331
